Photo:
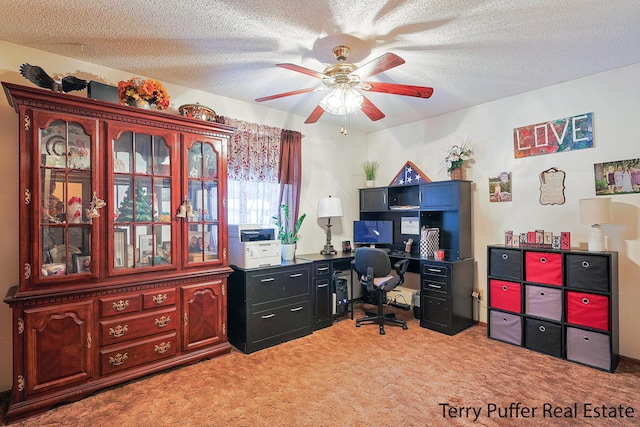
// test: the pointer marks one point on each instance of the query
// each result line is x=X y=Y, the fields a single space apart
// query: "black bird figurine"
x=37 y=75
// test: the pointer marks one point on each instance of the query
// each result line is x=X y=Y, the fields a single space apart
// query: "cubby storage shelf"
x=561 y=303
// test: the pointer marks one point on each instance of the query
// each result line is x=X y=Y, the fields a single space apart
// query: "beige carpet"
x=348 y=376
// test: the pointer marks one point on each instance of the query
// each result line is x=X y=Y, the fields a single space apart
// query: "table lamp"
x=595 y=212
x=329 y=207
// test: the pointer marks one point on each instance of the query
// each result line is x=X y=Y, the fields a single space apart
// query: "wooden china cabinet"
x=123 y=246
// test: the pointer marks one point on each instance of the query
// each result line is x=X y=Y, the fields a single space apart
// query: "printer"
x=252 y=246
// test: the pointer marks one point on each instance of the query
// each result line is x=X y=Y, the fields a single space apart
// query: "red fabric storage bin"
x=543 y=267
x=589 y=310
x=505 y=295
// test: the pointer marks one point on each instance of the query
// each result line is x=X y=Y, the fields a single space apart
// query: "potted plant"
x=370 y=168
x=288 y=237
x=457 y=155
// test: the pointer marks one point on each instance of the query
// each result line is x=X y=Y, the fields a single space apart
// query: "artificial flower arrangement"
x=456 y=157
x=136 y=90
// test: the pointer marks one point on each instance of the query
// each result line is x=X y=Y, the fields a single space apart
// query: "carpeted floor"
x=348 y=376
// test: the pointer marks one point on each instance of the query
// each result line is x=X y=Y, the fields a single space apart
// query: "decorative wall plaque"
x=552 y=187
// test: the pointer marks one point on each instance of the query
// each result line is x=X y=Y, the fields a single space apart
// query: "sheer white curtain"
x=253 y=163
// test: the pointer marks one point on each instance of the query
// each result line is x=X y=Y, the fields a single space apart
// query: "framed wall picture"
x=618 y=177
x=500 y=187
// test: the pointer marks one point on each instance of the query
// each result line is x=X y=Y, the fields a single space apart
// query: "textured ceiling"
x=470 y=52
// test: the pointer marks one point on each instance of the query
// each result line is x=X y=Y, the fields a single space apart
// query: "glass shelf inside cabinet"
x=65 y=194
x=202 y=217
x=142 y=229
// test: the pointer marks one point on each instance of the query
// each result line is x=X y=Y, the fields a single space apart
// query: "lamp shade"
x=596 y=211
x=330 y=207
x=342 y=100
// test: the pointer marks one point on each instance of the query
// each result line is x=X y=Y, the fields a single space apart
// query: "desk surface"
x=320 y=257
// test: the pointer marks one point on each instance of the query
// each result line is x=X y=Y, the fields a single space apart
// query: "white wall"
x=614 y=99
x=330 y=164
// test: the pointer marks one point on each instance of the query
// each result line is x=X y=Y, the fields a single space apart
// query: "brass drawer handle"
x=162 y=347
x=120 y=305
x=118 y=360
x=160 y=298
x=163 y=321
x=118 y=331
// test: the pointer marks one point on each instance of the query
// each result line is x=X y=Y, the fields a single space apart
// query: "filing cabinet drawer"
x=543 y=267
x=505 y=327
x=505 y=295
x=120 y=304
x=438 y=272
x=267 y=324
x=588 y=310
x=588 y=347
x=543 y=301
x=435 y=310
x=543 y=336
x=321 y=269
x=125 y=328
x=588 y=272
x=505 y=263
x=278 y=285
x=135 y=353
x=433 y=286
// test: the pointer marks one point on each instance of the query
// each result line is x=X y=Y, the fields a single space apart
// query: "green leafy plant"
x=370 y=168
x=281 y=220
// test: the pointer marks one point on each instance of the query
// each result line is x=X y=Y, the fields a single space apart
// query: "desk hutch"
x=110 y=287
x=446 y=304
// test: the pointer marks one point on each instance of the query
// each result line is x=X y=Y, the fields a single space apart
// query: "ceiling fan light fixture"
x=342 y=100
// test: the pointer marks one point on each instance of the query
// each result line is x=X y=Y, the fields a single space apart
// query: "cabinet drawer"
x=505 y=327
x=435 y=310
x=159 y=298
x=321 y=269
x=278 y=285
x=504 y=295
x=279 y=321
x=135 y=353
x=120 y=304
x=543 y=302
x=588 y=347
x=125 y=328
x=588 y=310
x=543 y=267
x=434 y=286
x=543 y=336
x=588 y=272
x=505 y=263
x=437 y=270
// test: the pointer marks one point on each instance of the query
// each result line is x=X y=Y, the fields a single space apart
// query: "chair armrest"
x=401 y=266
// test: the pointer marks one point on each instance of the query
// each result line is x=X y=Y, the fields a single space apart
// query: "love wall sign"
x=570 y=133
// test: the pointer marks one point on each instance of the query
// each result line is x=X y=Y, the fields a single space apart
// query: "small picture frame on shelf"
x=120 y=248
x=82 y=263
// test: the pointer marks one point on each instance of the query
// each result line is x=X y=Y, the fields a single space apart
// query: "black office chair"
x=373 y=267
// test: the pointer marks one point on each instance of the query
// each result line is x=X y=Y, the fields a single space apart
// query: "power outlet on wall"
x=477 y=294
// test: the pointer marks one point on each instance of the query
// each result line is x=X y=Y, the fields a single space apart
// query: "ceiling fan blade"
x=371 y=110
x=303 y=70
x=282 y=95
x=315 y=115
x=397 y=89
x=378 y=65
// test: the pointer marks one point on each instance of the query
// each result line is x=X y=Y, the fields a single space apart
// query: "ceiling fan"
x=343 y=78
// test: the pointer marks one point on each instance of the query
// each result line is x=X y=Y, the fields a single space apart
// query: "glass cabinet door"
x=142 y=232
x=65 y=151
x=201 y=203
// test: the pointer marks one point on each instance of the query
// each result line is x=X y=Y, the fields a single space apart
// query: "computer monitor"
x=373 y=232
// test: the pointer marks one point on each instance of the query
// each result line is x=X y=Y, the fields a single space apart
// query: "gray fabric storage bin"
x=505 y=327
x=506 y=263
x=590 y=348
x=588 y=272
x=544 y=302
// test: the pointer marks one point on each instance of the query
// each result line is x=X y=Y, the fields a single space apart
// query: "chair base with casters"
x=373 y=267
